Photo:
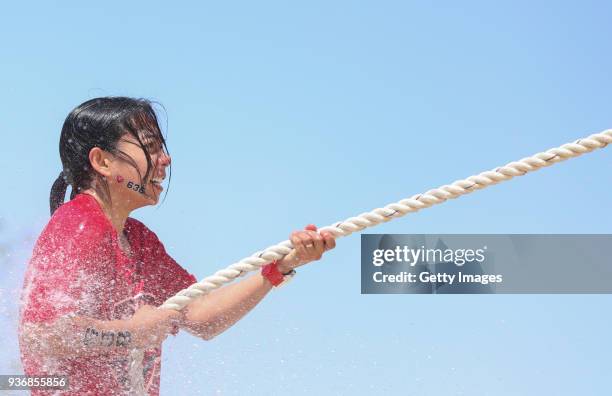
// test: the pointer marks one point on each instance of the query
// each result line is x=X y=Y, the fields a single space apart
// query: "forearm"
x=212 y=314
x=80 y=336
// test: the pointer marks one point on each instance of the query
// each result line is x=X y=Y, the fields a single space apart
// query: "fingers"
x=298 y=245
x=310 y=245
x=313 y=244
x=156 y=339
x=152 y=325
x=304 y=245
x=175 y=318
x=329 y=240
x=171 y=319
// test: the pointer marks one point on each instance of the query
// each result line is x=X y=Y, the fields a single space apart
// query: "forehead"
x=147 y=137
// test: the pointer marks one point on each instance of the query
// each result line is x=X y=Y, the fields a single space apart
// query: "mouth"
x=157 y=181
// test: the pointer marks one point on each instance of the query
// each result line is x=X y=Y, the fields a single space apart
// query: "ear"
x=100 y=161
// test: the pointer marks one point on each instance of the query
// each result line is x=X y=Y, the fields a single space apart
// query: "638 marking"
x=136 y=187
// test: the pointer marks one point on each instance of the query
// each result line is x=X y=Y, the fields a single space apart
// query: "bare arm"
x=84 y=336
x=212 y=314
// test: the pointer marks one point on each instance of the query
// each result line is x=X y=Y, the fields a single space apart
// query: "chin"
x=151 y=201
x=147 y=201
x=154 y=199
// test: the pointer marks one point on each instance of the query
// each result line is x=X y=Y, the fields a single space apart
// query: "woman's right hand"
x=150 y=325
x=309 y=245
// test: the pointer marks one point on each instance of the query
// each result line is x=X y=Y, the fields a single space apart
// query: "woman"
x=96 y=274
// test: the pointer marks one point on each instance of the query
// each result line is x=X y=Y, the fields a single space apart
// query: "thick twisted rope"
x=381 y=215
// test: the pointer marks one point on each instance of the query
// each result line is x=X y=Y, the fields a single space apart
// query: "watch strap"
x=270 y=272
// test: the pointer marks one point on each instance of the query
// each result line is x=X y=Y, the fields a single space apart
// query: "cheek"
x=127 y=172
x=128 y=181
x=126 y=176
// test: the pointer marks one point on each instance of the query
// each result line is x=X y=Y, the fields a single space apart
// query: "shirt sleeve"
x=69 y=274
x=182 y=280
x=171 y=276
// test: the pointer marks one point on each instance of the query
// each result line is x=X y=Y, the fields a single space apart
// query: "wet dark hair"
x=101 y=122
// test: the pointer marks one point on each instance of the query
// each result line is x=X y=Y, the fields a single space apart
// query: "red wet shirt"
x=78 y=269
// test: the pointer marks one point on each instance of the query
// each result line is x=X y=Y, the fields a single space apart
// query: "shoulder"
x=78 y=237
x=79 y=220
x=142 y=237
x=167 y=276
x=139 y=230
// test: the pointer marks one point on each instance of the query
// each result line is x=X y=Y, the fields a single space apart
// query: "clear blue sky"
x=283 y=114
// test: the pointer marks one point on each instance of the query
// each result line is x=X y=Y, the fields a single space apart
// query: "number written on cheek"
x=136 y=187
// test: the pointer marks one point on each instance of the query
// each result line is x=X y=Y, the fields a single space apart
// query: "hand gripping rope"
x=375 y=217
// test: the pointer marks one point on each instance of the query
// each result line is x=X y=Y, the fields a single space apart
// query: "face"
x=128 y=185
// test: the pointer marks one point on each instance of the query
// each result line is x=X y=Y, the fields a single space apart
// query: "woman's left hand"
x=308 y=245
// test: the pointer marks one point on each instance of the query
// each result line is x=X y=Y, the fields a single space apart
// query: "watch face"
x=287 y=278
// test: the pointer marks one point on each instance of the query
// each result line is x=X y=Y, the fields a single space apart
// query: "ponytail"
x=58 y=192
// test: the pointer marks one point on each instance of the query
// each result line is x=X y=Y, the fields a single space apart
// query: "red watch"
x=277 y=278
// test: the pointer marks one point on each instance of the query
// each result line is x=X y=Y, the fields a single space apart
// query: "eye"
x=152 y=146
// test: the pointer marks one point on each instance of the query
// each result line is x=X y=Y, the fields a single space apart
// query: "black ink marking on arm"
x=124 y=338
x=94 y=337
x=108 y=338
x=91 y=336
